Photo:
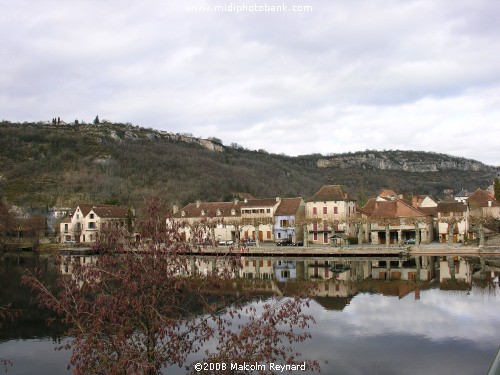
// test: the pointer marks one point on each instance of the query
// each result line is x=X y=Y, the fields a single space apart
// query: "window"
x=268 y=234
x=315 y=210
x=315 y=236
x=268 y=210
x=335 y=210
x=325 y=237
x=91 y=225
x=315 y=227
x=91 y=216
x=66 y=228
x=218 y=212
x=325 y=210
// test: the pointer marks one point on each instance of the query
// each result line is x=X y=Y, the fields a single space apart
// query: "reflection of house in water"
x=420 y=268
x=285 y=270
x=455 y=273
x=257 y=269
x=333 y=303
x=68 y=262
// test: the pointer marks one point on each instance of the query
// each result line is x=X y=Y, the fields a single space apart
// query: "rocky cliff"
x=409 y=161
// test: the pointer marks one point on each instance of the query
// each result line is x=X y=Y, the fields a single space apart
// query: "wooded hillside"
x=42 y=165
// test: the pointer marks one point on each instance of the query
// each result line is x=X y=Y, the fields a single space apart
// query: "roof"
x=210 y=209
x=288 y=206
x=104 y=210
x=387 y=193
x=109 y=211
x=432 y=211
x=451 y=207
x=67 y=219
x=329 y=193
x=85 y=208
x=264 y=202
x=462 y=194
x=394 y=208
x=369 y=206
x=480 y=198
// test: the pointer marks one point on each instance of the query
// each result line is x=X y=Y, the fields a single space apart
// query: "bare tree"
x=143 y=307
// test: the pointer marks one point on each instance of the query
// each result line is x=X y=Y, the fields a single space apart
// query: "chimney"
x=278 y=199
x=236 y=200
x=414 y=201
x=346 y=197
x=175 y=209
x=246 y=200
x=198 y=203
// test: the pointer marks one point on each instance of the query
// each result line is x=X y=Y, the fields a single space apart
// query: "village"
x=328 y=219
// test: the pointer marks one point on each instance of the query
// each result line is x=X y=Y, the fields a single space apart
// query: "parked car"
x=298 y=243
x=226 y=242
x=410 y=241
x=284 y=242
x=249 y=243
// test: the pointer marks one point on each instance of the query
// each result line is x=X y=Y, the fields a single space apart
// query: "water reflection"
x=425 y=314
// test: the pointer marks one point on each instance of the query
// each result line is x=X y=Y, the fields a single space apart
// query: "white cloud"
x=347 y=76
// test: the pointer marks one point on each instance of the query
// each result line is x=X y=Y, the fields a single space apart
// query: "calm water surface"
x=430 y=315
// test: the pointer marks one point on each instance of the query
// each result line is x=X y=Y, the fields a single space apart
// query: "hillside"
x=42 y=165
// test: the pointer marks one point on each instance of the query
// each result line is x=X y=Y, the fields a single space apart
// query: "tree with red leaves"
x=143 y=306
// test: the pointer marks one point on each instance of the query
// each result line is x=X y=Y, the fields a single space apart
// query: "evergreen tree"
x=96 y=120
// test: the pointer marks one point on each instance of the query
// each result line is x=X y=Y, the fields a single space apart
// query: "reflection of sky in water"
x=438 y=315
x=443 y=332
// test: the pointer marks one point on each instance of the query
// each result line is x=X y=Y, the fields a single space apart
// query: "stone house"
x=328 y=214
x=287 y=219
x=87 y=220
x=454 y=214
x=391 y=220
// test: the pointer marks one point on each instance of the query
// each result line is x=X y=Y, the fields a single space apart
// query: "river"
x=424 y=315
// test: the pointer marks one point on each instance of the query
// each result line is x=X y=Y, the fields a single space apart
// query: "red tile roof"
x=329 y=193
x=210 y=209
x=108 y=212
x=480 y=198
x=104 y=210
x=369 y=206
x=264 y=202
x=451 y=207
x=387 y=193
x=67 y=219
x=288 y=206
x=394 y=208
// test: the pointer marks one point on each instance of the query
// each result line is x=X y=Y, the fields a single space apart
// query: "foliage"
x=7 y=224
x=141 y=307
x=45 y=164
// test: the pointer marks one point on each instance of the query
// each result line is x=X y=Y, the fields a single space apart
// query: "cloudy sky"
x=337 y=76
